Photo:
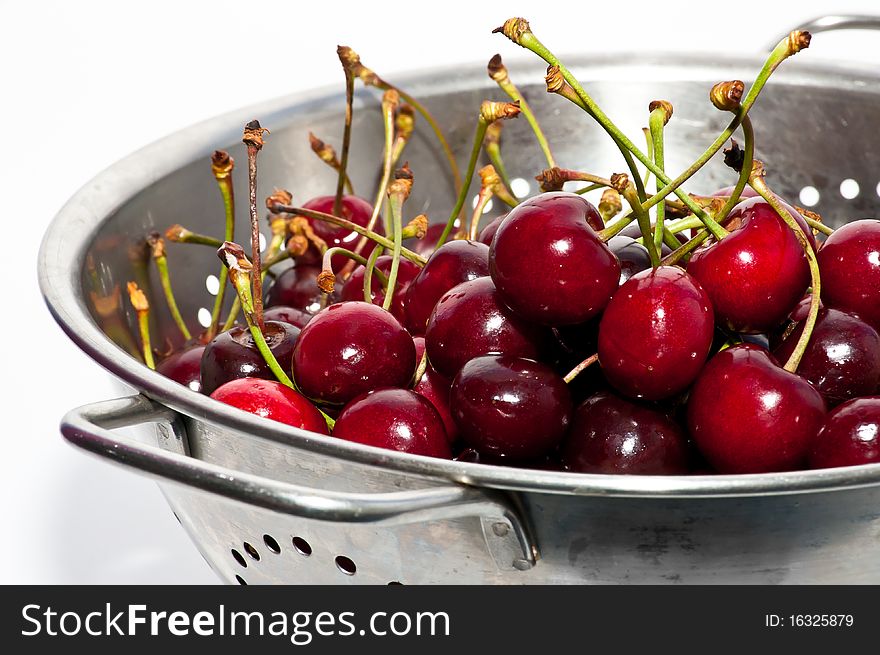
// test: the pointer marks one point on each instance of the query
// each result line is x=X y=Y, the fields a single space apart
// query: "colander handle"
x=835 y=22
x=89 y=427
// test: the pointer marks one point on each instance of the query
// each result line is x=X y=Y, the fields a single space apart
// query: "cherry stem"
x=327 y=279
x=727 y=96
x=492 y=146
x=420 y=370
x=157 y=246
x=179 y=234
x=609 y=205
x=327 y=154
x=625 y=187
x=370 y=270
x=404 y=124
x=756 y=181
x=346 y=136
x=660 y=115
x=276 y=258
x=253 y=139
x=553 y=179
x=142 y=308
x=587 y=189
x=482 y=200
x=589 y=361
x=498 y=72
x=398 y=192
x=221 y=166
x=649 y=150
x=818 y=225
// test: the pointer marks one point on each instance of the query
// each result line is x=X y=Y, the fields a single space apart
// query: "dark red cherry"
x=610 y=434
x=747 y=414
x=633 y=257
x=655 y=334
x=273 y=400
x=296 y=317
x=354 y=209
x=850 y=436
x=233 y=354
x=396 y=419
x=428 y=243
x=510 y=407
x=488 y=232
x=842 y=358
x=453 y=263
x=353 y=289
x=755 y=275
x=297 y=287
x=548 y=462
x=549 y=265
x=184 y=367
x=435 y=388
x=471 y=320
x=633 y=231
x=849 y=266
x=351 y=348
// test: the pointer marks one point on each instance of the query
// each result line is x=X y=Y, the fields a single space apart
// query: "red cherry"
x=453 y=263
x=747 y=192
x=435 y=388
x=849 y=267
x=758 y=273
x=273 y=400
x=850 y=436
x=842 y=358
x=655 y=334
x=633 y=257
x=396 y=419
x=297 y=287
x=471 y=320
x=609 y=434
x=184 y=367
x=351 y=348
x=353 y=289
x=428 y=243
x=354 y=209
x=549 y=265
x=296 y=317
x=488 y=233
x=749 y=415
x=510 y=406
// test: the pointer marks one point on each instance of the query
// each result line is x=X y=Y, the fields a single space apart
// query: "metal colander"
x=266 y=503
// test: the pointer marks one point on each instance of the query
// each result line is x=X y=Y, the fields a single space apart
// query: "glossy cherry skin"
x=850 y=436
x=453 y=263
x=354 y=209
x=273 y=400
x=297 y=287
x=755 y=275
x=471 y=320
x=233 y=354
x=428 y=243
x=353 y=289
x=549 y=265
x=435 y=388
x=849 y=267
x=184 y=367
x=747 y=414
x=842 y=358
x=610 y=434
x=396 y=419
x=510 y=407
x=488 y=232
x=351 y=348
x=296 y=317
x=633 y=257
x=655 y=334
x=633 y=231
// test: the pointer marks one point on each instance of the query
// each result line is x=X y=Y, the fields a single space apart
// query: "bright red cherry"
x=610 y=434
x=435 y=388
x=184 y=367
x=488 y=232
x=353 y=289
x=233 y=354
x=655 y=334
x=842 y=358
x=297 y=287
x=354 y=209
x=273 y=400
x=453 y=263
x=758 y=273
x=296 y=317
x=850 y=436
x=471 y=320
x=849 y=266
x=510 y=407
x=396 y=419
x=549 y=265
x=350 y=348
x=747 y=414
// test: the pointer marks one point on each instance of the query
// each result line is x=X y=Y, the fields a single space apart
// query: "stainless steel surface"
x=816 y=126
x=836 y=22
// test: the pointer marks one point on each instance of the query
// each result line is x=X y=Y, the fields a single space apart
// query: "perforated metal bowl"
x=268 y=503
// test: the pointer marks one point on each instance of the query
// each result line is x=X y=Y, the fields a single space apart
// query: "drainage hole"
x=395 y=583
x=271 y=544
x=345 y=565
x=302 y=546
x=239 y=558
x=241 y=581
x=250 y=550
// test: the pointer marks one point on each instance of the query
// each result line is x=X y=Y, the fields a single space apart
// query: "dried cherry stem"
x=351 y=59
x=489 y=179
x=157 y=248
x=756 y=181
x=660 y=113
x=553 y=179
x=609 y=204
x=346 y=134
x=492 y=146
x=370 y=270
x=353 y=227
x=420 y=370
x=398 y=192
x=498 y=72
x=253 y=139
x=327 y=154
x=589 y=361
x=327 y=278
x=627 y=189
x=404 y=125
x=270 y=261
x=142 y=308
x=221 y=166
x=179 y=234
x=489 y=113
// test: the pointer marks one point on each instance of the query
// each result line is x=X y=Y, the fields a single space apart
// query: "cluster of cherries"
x=545 y=343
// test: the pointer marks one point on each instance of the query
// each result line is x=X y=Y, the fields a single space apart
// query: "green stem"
x=493 y=151
x=644 y=220
x=656 y=122
x=144 y=328
x=370 y=270
x=503 y=79
x=165 y=279
x=179 y=234
x=686 y=249
x=355 y=257
x=273 y=259
x=465 y=187
x=649 y=145
x=587 y=189
x=225 y=184
x=395 y=208
x=743 y=179
x=346 y=141
x=818 y=225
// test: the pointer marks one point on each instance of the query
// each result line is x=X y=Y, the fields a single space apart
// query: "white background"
x=85 y=83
